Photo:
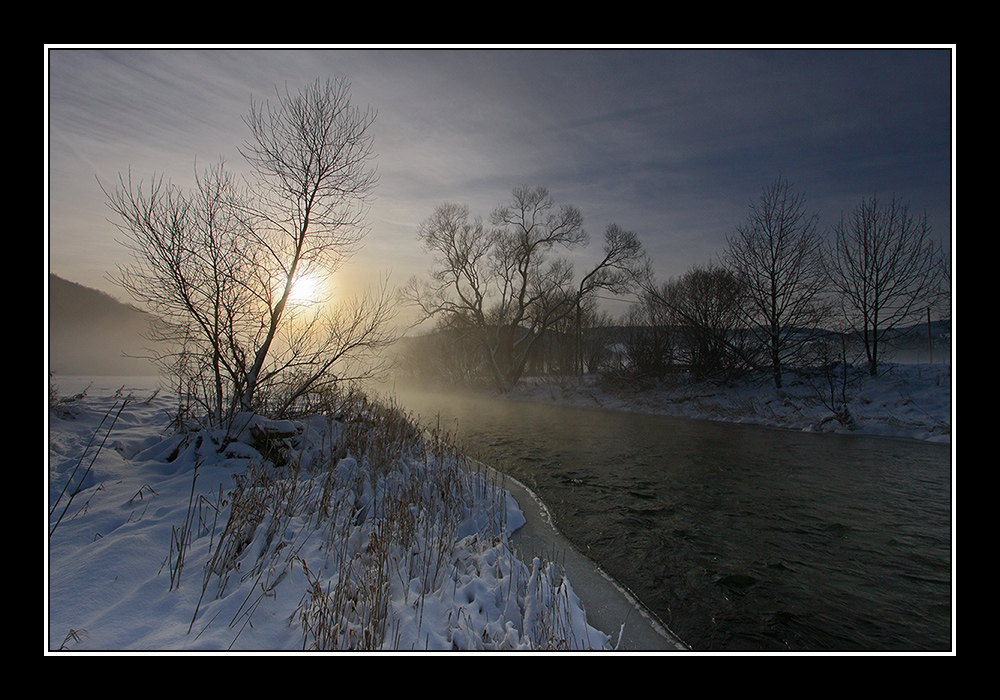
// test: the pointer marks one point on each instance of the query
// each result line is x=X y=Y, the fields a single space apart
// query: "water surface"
x=739 y=538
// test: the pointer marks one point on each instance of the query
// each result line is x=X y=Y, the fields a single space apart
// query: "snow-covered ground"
x=905 y=400
x=159 y=542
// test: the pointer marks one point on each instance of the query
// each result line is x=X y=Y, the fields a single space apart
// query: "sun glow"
x=306 y=290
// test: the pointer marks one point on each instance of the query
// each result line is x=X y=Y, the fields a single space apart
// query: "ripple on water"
x=738 y=537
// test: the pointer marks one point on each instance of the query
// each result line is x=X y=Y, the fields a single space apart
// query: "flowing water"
x=739 y=538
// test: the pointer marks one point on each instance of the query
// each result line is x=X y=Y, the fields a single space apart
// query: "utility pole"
x=930 y=338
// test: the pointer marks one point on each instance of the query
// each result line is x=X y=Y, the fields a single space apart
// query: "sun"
x=306 y=290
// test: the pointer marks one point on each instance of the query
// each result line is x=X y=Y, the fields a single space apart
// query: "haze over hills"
x=92 y=333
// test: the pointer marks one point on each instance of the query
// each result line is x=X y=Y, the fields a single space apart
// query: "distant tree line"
x=782 y=294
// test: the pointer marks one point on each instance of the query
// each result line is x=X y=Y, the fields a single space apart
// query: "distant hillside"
x=91 y=332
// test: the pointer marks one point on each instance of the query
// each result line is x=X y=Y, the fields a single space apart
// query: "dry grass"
x=391 y=507
x=81 y=481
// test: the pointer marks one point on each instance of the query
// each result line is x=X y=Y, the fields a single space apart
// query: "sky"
x=673 y=143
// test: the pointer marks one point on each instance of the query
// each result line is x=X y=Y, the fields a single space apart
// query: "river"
x=740 y=538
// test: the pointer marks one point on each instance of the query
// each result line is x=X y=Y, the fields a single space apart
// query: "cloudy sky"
x=672 y=143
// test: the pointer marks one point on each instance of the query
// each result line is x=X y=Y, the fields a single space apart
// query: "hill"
x=92 y=333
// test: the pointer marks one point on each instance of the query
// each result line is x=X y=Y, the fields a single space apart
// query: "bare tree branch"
x=217 y=266
x=498 y=284
x=777 y=256
x=886 y=269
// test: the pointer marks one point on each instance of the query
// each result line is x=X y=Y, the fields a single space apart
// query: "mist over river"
x=740 y=538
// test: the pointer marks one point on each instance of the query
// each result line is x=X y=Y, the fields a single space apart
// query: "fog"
x=90 y=332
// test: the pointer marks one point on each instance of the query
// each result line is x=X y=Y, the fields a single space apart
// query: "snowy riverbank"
x=904 y=400
x=161 y=543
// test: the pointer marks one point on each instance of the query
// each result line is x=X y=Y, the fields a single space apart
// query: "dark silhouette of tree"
x=885 y=269
x=218 y=265
x=706 y=303
x=776 y=254
x=499 y=283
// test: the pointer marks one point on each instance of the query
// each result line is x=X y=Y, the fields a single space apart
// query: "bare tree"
x=886 y=270
x=596 y=330
x=777 y=256
x=218 y=265
x=329 y=344
x=708 y=302
x=649 y=343
x=705 y=306
x=499 y=283
x=443 y=354
x=187 y=272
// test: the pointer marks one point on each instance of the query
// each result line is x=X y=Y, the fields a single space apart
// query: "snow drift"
x=355 y=533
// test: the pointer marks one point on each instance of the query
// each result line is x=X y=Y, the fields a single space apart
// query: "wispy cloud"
x=670 y=143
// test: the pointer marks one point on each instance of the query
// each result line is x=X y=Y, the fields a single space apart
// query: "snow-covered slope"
x=284 y=536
